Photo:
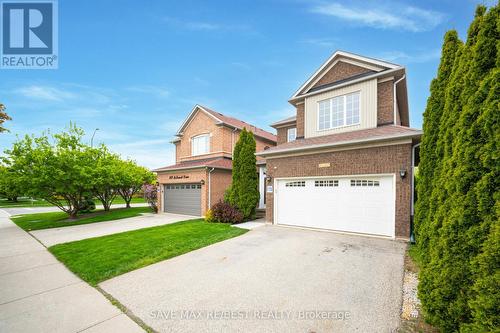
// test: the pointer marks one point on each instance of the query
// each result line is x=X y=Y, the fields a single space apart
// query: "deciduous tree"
x=3 y=117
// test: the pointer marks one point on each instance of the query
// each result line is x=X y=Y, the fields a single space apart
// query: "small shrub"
x=151 y=196
x=209 y=216
x=225 y=213
x=87 y=205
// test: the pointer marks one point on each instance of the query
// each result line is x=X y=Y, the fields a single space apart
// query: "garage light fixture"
x=402 y=173
x=268 y=178
x=202 y=182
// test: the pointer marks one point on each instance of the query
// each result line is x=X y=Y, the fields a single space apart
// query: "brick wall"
x=194 y=176
x=385 y=103
x=340 y=71
x=220 y=180
x=200 y=124
x=222 y=139
x=283 y=133
x=300 y=120
x=377 y=160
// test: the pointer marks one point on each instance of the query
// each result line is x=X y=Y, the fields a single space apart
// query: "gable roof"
x=374 y=65
x=221 y=119
x=286 y=121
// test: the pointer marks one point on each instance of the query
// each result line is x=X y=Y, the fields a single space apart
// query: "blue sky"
x=134 y=69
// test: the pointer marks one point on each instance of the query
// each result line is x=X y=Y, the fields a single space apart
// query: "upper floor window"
x=338 y=111
x=291 y=134
x=200 y=144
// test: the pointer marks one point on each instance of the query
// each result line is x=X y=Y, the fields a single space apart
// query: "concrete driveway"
x=54 y=236
x=272 y=279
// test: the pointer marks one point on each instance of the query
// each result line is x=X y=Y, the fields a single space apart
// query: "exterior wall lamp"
x=269 y=178
x=202 y=182
x=402 y=173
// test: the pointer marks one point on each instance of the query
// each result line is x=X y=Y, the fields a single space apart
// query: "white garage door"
x=351 y=204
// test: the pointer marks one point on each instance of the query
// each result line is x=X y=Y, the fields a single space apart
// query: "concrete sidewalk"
x=54 y=236
x=35 y=209
x=38 y=294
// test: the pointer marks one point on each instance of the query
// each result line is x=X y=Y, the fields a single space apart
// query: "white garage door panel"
x=368 y=208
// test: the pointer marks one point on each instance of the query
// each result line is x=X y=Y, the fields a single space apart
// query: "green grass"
x=60 y=219
x=27 y=202
x=101 y=258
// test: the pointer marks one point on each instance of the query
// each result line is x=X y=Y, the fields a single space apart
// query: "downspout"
x=209 y=188
x=394 y=97
x=412 y=190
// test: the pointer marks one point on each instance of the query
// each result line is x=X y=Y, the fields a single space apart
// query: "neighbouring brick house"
x=345 y=161
x=203 y=162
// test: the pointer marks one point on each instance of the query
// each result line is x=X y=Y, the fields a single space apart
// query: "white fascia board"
x=347 y=55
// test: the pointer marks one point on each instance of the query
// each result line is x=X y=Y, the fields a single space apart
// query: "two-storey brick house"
x=344 y=162
x=203 y=162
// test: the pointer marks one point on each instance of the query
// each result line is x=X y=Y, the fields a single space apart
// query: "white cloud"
x=414 y=57
x=382 y=16
x=241 y=65
x=45 y=93
x=158 y=91
x=323 y=42
x=197 y=25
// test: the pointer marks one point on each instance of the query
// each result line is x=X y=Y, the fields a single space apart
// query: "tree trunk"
x=73 y=213
x=128 y=203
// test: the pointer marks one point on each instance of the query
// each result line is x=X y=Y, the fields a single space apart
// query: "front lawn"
x=60 y=219
x=98 y=259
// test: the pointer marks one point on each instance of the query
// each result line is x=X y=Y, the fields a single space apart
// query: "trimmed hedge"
x=458 y=205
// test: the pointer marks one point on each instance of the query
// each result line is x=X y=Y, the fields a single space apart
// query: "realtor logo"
x=28 y=35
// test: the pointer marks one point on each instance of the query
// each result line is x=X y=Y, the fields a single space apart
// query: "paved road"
x=38 y=294
x=54 y=236
x=33 y=210
x=274 y=279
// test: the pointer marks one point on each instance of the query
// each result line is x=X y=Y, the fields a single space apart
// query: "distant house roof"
x=382 y=133
x=229 y=121
x=284 y=121
x=218 y=163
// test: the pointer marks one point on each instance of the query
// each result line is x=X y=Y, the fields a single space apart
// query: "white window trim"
x=330 y=99
x=208 y=144
x=294 y=134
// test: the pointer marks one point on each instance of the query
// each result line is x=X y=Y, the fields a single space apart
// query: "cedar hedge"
x=457 y=210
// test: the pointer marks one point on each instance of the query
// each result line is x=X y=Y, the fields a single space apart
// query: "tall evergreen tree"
x=244 y=190
x=248 y=189
x=233 y=191
x=462 y=217
x=429 y=150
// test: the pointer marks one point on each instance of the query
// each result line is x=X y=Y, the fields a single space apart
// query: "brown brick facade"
x=385 y=103
x=219 y=181
x=376 y=160
x=283 y=133
x=340 y=71
x=300 y=122
x=222 y=139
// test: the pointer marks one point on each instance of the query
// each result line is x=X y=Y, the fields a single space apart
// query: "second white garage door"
x=350 y=204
